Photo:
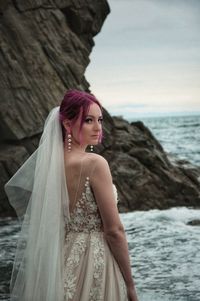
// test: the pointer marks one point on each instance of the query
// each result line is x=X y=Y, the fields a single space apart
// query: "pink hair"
x=74 y=104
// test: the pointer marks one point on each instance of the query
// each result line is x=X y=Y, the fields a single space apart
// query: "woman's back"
x=90 y=270
x=78 y=169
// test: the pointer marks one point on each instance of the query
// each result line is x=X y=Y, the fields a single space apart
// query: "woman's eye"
x=88 y=120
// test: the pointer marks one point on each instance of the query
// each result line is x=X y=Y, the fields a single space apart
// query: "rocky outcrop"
x=143 y=173
x=44 y=50
x=195 y=222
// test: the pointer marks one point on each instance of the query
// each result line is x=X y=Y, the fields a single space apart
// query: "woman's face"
x=91 y=128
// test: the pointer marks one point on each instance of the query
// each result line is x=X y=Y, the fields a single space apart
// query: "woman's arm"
x=101 y=182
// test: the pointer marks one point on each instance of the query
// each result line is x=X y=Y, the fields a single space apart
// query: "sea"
x=164 y=249
x=179 y=135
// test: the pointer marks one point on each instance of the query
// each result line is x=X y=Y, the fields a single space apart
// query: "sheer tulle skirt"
x=90 y=270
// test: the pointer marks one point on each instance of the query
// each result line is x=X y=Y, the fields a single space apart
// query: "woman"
x=72 y=244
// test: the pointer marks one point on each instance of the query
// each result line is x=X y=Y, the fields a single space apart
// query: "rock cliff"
x=44 y=50
x=145 y=177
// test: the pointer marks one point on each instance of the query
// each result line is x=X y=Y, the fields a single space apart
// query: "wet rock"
x=143 y=173
x=195 y=222
x=44 y=50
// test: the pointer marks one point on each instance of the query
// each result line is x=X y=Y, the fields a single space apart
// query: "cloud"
x=129 y=106
x=148 y=52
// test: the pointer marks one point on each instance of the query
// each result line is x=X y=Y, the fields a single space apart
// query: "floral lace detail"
x=98 y=251
x=85 y=216
x=72 y=263
x=82 y=232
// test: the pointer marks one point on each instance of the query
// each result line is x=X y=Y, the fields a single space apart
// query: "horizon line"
x=155 y=114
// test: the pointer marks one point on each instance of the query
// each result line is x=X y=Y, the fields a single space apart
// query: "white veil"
x=39 y=195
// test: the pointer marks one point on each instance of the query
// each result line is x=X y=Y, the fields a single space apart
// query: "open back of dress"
x=90 y=270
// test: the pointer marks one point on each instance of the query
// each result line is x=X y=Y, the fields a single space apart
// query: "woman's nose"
x=97 y=125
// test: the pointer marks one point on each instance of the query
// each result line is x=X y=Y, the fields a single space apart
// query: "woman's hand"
x=131 y=293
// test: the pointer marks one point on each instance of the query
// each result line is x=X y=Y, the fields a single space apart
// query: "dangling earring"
x=91 y=148
x=68 y=142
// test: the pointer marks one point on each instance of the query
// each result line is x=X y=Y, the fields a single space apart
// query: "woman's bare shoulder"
x=97 y=159
x=98 y=165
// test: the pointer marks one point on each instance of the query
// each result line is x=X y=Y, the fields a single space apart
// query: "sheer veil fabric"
x=38 y=193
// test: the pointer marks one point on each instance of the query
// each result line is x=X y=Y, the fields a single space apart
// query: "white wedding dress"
x=92 y=273
x=61 y=254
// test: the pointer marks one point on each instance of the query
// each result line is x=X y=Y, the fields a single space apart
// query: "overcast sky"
x=147 y=57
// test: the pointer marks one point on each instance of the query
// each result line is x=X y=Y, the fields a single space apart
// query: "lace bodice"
x=85 y=216
x=88 y=259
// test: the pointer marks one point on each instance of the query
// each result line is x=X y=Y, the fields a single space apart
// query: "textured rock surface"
x=45 y=47
x=44 y=50
x=195 y=222
x=144 y=176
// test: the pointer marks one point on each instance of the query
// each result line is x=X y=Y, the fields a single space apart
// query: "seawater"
x=164 y=252
x=179 y=135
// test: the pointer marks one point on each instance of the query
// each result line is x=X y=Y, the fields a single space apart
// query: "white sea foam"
x=165 y=253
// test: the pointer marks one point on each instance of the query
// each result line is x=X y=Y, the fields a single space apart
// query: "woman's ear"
x=67 y=125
